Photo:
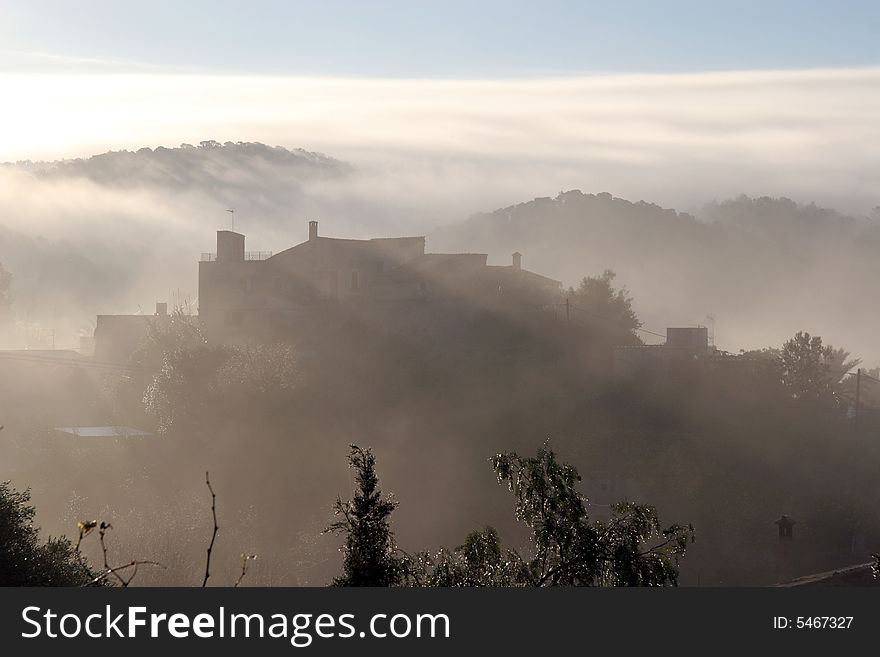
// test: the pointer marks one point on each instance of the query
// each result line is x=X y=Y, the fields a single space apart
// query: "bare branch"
x=85 y=526
x=134 y=572
x=245 y=558
x=115 y=571
x=101 y=531
x=214 y=534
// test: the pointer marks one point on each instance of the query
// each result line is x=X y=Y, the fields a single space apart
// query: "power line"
x=74 y=362
x=866 y=375
x=872 y=378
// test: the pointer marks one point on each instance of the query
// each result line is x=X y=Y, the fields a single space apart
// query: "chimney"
x=313 y=230
x=785 y=525
x=161 y=309
x=230 y=246
x=517 y=261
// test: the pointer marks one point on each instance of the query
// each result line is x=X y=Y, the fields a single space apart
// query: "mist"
x=679 y=139
x=747 y=197
x=117 y=232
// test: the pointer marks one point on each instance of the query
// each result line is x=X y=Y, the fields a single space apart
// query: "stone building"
x=387 y=282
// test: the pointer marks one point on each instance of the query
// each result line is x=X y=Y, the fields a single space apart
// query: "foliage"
x=199 y=383
x=812 y=372
x=596 y=303
x=839 y=364
x=259 y=370
x=180 y=392
x=569 y=549
x=369 y=552
x=803 y=360
x=478 y=562
x=181 y=331
x=809 y=370
x=770 y=354
x=24 y=560
x=144 y=394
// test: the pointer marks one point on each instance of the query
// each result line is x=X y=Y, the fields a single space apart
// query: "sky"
x=646 y=99
x=450 y=108
x=431 y=38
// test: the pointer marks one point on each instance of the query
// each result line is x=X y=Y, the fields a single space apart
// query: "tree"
x=609 y=311
x=568 y=549
x=200 y=383
x=839 y=364
x=182 y=331
x=369 y=553
x=809 y=370
x=805 y=365
x=24 y=560
x=181 y=393
x=480 y=561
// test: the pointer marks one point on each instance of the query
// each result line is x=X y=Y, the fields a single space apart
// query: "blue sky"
x=430 y=38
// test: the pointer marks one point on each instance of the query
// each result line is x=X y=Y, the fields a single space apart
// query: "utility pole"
x=858 y=394
x=567 y=310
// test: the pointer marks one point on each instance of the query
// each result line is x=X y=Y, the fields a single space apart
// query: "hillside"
x=764 y=268
x=116 y=232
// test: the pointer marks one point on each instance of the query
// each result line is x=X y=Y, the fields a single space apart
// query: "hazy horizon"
x=676 y=139
x=632 y=166
x=135 y=222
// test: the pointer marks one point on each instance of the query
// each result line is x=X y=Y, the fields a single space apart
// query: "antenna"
x=232 y=213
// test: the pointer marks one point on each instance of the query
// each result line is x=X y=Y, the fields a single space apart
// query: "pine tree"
x=24 y=559
x=369 y=552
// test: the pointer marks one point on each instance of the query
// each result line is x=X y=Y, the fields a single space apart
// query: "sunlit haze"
x=593 y=252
